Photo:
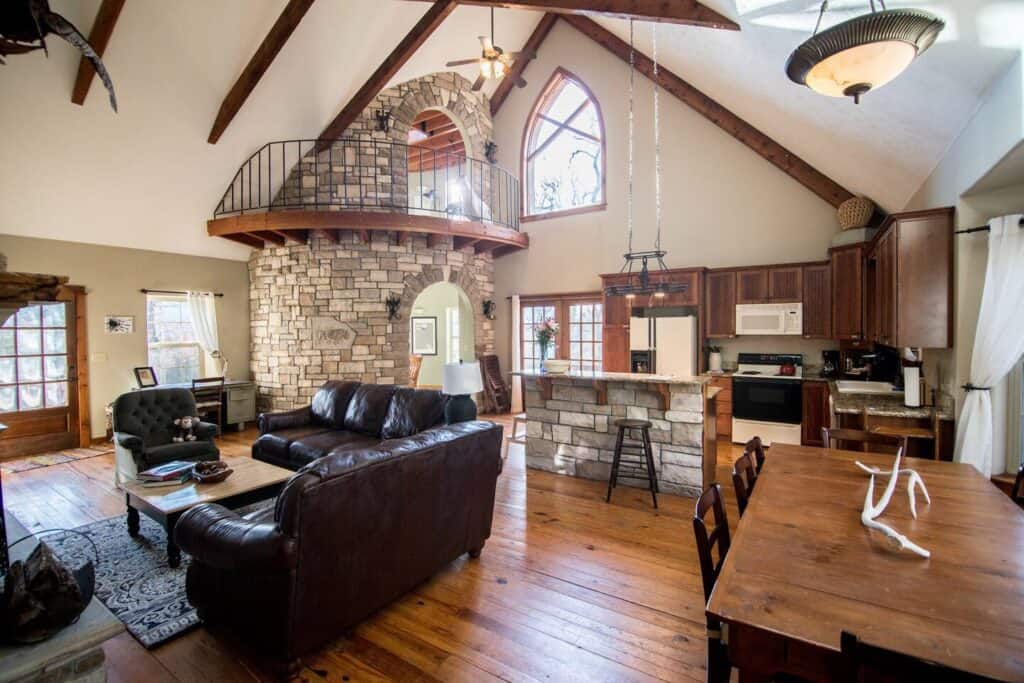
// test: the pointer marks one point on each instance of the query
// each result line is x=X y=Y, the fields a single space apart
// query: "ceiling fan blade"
x=463 y=62
x=479 y=83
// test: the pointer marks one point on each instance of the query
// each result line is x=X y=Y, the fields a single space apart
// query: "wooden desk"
x=238 y=400
x=802 y=569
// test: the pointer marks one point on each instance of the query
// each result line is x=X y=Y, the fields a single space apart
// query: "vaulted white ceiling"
x=147 y=178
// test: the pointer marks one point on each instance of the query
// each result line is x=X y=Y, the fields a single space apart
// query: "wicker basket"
x=855 y=213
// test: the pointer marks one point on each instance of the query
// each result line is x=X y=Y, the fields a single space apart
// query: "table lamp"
x=460 y=381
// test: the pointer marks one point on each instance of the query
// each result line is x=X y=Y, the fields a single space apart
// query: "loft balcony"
x=289 y=188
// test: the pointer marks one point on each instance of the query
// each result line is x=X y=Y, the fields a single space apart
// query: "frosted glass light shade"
x=492 y=68
x=871 y=66
x=461 y=378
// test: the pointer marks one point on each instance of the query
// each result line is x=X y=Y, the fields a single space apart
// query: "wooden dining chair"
x=209 y=392
x=755 y=447
x=1018 y=488
x=415 y=364
x=833 y=436
x=864 y=663
x=744 y=477
x=718 y=666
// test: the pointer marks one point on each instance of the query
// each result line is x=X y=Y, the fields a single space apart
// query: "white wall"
x=435 y=301
x=723 y=205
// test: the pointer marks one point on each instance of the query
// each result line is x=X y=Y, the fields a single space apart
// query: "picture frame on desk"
x=145 y=377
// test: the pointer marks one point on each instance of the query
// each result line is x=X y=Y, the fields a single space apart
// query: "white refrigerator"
x=673 y=340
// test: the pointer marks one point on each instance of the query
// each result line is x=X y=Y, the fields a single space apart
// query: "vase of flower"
x=545 y=334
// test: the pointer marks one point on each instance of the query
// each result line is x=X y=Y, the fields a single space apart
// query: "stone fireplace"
x=317 y=310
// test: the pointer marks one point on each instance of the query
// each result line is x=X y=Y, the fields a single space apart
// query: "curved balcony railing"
x=364 y=174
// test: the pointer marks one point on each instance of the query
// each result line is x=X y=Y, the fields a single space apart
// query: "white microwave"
x=766 y=319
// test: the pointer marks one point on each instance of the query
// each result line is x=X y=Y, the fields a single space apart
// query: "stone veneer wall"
x=571 y=434
x=317 y=311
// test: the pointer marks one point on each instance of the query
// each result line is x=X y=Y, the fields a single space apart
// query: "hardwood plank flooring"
x=568 y=588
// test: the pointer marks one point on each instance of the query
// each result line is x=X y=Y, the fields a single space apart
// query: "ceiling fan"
x=494 y=62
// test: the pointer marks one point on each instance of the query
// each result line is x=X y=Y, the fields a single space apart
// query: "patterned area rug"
x=132 y=576
x=47 y=459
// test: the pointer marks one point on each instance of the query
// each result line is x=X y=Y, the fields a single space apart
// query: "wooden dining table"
x=802 y=569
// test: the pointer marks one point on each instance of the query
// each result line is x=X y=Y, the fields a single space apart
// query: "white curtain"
x=517 y=381
x=998 y=340
x=202 y=306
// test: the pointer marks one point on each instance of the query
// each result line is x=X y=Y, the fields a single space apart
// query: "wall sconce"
x=393 y=302
x=490 y=309
x=491 y=151
x=383 y=120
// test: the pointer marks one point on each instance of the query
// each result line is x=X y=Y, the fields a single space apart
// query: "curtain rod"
x=984 y=228
x=171 y=291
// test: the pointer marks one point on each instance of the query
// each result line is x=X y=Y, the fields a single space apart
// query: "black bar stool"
x=641 y=456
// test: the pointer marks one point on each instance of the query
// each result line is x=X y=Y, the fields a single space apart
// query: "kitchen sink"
x=859 y=387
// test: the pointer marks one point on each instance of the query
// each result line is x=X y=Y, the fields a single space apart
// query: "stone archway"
x=447 y=92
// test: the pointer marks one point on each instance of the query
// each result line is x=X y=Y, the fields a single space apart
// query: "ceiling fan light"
x=491 y=68
x=864 y=53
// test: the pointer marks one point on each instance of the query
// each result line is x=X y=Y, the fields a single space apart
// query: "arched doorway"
x=442 y=180
x=441 y=330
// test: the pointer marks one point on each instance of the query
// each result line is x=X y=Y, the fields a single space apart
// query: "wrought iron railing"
x=372 y=175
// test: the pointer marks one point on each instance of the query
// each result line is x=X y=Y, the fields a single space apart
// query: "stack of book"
x=169 y=474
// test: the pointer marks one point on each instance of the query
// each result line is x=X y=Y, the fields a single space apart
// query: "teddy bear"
x=184 y=429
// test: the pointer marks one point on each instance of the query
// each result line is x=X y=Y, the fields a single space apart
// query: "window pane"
x=598 y=313
x=56 y=394
x=7 y=371
x=8 y=400
x=588 y=333
x=6 y=342
x=30 y=396
x=55 y=341
x=29 y=316
x=588 y=352
x=568 y=100
x=574 y=314
x=56 y=367
x=53 y=315
x=30 y=341
x=574 y=333
x=588 y=313
x=574 y=350
x=30 y=369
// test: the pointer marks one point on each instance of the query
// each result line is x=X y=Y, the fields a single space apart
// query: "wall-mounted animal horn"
x=393 y=302
x=490 y=309
x=24 y=25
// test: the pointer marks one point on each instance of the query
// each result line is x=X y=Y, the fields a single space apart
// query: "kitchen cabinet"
x=724 y=406
x=720 y=305
x=815 y=413
x=752 y=286
x=615 y=334
x=817 y=300
x=785 y=284
x=909 y=280
x=847 y=270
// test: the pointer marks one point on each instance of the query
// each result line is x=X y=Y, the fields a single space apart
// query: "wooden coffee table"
x=251 y=481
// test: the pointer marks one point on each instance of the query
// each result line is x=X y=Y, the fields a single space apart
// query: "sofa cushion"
x=275 y=444
x=330 y=403
x=411 y=411
x=368 y=408
x=309 y=448
x=196 y=451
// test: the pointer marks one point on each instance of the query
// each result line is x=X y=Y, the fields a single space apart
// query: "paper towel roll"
x=912 y=386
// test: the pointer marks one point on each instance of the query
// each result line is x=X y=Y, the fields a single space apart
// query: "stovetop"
x=769 y=365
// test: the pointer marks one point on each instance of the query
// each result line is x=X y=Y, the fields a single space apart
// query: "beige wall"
x=112 y=278
x=434 y=301
x=723 y=205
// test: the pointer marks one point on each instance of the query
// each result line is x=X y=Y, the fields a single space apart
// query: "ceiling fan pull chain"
x=629 y=196
x=657 y=140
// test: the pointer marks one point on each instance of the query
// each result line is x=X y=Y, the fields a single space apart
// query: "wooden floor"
x=568 y=588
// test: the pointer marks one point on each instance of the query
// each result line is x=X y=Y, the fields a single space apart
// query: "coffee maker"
x=830 y=364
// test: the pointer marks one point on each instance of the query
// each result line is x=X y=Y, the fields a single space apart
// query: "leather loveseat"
x=352 y=530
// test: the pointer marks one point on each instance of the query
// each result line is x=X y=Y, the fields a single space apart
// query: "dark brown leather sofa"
x=353 y=529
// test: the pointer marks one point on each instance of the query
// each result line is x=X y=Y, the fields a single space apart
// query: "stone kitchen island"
x=570 y=425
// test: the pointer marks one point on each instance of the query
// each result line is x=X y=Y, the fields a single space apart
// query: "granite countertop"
x=617 y=377
x=887 y=406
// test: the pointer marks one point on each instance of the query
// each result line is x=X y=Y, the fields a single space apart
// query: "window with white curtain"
x=174 y=352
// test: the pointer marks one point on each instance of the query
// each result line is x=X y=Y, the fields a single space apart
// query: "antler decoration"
x=872 y=511
x=24 y=25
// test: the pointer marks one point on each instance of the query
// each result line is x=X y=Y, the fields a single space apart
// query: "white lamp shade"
x=461 y=378
x=873 y=64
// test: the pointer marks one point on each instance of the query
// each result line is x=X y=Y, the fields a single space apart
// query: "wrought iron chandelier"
x=864 y=53
x=638 y=264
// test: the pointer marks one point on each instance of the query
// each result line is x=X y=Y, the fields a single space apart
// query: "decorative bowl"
x=553 y=366
x=211 y=472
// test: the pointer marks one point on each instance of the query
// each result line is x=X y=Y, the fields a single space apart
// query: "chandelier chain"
x=629 y=192
x=657 y=140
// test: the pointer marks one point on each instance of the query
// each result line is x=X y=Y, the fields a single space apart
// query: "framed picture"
x=424 y=335
x=119 y=324
x=145 y=377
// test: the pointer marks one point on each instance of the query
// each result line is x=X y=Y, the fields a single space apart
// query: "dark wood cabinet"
x=847 y=269
x=815 y=413
x=785 y=284
x=817 y=300
x=720 y=305
x=752 y=286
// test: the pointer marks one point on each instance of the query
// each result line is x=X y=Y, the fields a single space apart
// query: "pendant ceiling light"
x=638 y=264
x=863 y=53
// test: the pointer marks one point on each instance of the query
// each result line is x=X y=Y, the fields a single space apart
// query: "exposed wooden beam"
x=789 y=163
x=364 y=236
x=99 y=36
x=433 y=240
x=438 y=12
x=297 y=236
x=247 y=240
x=258 y=65
x=270 y=236
x=463 y=242
x=533 y=43
x=332 y=236
x=668 y=11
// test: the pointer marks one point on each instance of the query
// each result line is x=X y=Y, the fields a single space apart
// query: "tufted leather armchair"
x=144 y=429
